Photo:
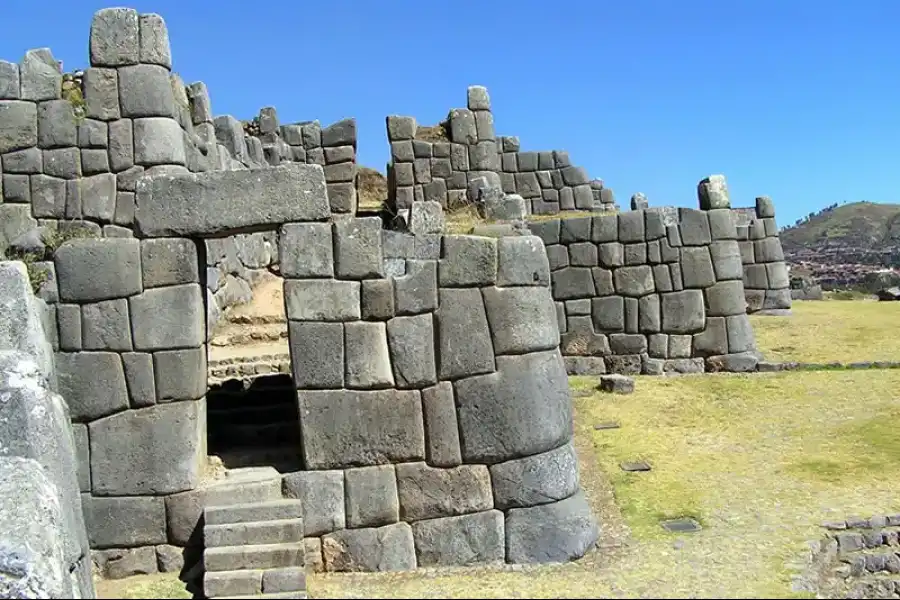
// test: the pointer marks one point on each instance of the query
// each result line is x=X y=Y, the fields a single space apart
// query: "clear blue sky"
x=799 y=100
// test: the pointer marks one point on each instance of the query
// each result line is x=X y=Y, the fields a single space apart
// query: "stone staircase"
x=254 y=550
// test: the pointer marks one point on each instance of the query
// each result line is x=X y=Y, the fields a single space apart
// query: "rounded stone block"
x=555 y=532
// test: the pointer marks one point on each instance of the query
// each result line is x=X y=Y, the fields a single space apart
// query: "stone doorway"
x=253 y=423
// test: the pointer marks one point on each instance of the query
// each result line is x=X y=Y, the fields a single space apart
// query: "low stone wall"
x=438 y=164
x=43 y=542
x=636 y=295
x=766 y=280
x=857 y=558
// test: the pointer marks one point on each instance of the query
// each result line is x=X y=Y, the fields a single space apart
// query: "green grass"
x=831 y=330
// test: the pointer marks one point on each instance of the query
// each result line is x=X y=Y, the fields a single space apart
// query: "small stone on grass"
x=634 y=466
x=684 y=525
x=616 y=384
x=602 y=426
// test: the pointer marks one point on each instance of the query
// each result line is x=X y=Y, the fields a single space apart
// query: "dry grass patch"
x=158 y=585
x=831 y=330
x=371 y=188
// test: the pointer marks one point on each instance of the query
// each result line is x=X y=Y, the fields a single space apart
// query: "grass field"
x=759 y=460
x=831 y=330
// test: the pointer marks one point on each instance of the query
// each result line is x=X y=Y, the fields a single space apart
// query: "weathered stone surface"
x=169 y=261
x=522 y=260
x=105 y=326
x=417 y=291
x=371 y=496
x=537 y=479
x=154 y=45
x=140 y=379
x=120 y=563
x=464 y=338
x=22 y=326
x=683 y=312
x=411 y=342
x=145 y=91
x=368 y=363
x=34 y=535
x=317 y=354
x=101 y=101
x=555 y=532
x=89 y=270
x=305 y=250
x=125 y=521
x=388 y=548
x=377 y=300
x=712 y=193
x=168 y=317
x=344 y=428
x=93 y=383
x=463 y=540
x=427 y=492
x=115 y=36
x=149 y=451
x=357 y=248
x=521 y=319
x=322 y=300
x=441 y=428
x=180 y=374
x=206 y=203
x=467 y=260
x=40 y=77
x=616 y=383
x=18 y=125
x=322 y=496
x=522 y=409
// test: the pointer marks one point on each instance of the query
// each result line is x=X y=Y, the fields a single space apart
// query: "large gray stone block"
x=154 y=45
x=149 y=451
x=168 y=317
x=9 y=80
x=521 y=319
x=57 y=127
x=322 y=495
x=322 y=300
x=346 y=428
x=537 y=479
x=427 y=492
x=357 y=248
x=40 y=76
x=522 y=260
x=169 y=261
x=411 y=342
x=101 y=101
x=145 y=91
x=306 y=250
x=180 y=374
x=89 y=270
x=555 y=532
x=317 y=354
x=22 y=326
x=522 y=409
x=464 y=337
x=115 y=37
x=124 y=522
x=368 y=363
x=459 y=541
x=371 y=496
x=683 y=312
x=441 y=428
x=417 y=291
x=468 y=260
x=712 y=193
x=158 y=141
x=105 y=326
x=93 y=383
x=388 y=548
x=18 y=125
x=214 y=202
x=139 y=378
x=34 y=534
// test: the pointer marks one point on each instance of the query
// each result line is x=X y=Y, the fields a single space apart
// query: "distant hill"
x=372 y=188
x=845 y=246
x=860 y=225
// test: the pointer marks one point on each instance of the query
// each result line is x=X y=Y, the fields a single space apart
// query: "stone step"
x=280 y=531
x=262 y=556
x=255 y=583
x=242 y=486
x=286 y=455
x=254 y=511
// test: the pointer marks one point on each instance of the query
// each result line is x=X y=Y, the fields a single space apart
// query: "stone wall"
x=767 y=285
x=438 y=164
x=415 y=452
x=43 y=541
x=641 y=292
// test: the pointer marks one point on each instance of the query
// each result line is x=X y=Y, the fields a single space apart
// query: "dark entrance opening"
x=254 y=423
